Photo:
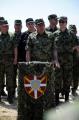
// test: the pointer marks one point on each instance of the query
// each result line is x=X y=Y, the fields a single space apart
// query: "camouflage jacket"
x=75 y=53
x=7 y=45
x=17 y=39
x=65 y=41
x=41 y=46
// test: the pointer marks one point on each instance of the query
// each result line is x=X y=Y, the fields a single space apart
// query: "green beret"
x=18 y=22
x=53 y=16
x=29 y=20
x=63 y=18
x=39 y=21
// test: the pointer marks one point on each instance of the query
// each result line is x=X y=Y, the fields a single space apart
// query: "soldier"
x=8 y=56
x=3 y=92
x=40 y=47
x=65 y=43
x=17 y=38
x=73 y=29
x=31 y=28
x=53 y=21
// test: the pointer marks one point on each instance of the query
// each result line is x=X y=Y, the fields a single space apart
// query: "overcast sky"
x=22 y=9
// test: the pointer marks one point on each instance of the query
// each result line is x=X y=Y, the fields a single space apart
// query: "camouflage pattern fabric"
x=73 y=30
x=75 y=69
x=28 y=106
x=6 y=60
x=41 y=46
x=64 y=42
x=17 y=39
x=41 y=49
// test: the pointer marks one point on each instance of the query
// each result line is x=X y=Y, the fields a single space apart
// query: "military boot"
x=57 y=98
x=66 y=96
x=3 y=93
x=14 y=94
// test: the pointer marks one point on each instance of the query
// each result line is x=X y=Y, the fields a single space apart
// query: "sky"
x=23 y=9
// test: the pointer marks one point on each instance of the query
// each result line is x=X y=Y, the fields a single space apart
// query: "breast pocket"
x=9 y=45
x=37 y=45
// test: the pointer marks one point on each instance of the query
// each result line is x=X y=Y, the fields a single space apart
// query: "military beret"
x=63 y=18
x=53 y=16
x=39 y=21
x=4 y=22
x=18 y=22
x=72 y=27
x=29 y=20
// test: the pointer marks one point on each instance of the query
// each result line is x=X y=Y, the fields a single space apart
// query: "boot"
x=66 y=96
x=57 y=98
x=3 y=93
x=13 y=94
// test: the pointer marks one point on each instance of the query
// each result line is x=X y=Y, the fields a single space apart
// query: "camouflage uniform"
x=17 y=39
x=73 y=29
x=3 y=92
x=41 y=49
x=52 y=28
x=64 y=42
x=6 y=62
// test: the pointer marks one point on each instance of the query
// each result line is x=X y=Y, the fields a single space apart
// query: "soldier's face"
x=17 y=28
x=30 y=26
x=40 y=28
x=53 y=22
x=62 y=24
x=4 y=28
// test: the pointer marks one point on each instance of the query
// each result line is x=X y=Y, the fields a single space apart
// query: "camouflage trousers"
x=6 y=69
x=75 y=79
x=15 y=75
x=63 y=78
x=28 y=107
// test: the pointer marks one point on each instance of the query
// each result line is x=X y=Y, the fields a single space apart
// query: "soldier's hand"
x=15 y=61
x=76 y=48
x=56 y=64
x=27 y=56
